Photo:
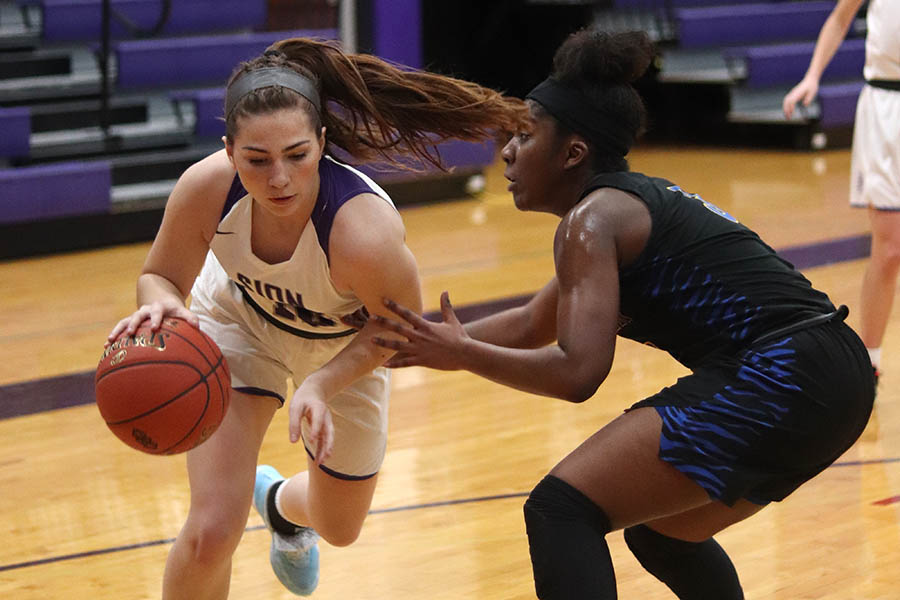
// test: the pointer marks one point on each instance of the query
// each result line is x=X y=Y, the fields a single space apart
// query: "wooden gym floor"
x=84 y=517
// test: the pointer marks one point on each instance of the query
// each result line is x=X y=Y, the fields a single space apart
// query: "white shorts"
x=875 y=163
x=262 y=358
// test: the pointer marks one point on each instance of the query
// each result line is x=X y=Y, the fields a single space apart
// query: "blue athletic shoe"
x=294 y=558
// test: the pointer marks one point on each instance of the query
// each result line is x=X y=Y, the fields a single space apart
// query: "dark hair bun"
x=597 y=56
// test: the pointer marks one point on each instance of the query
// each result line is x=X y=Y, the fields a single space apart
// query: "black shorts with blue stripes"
x=758 y=425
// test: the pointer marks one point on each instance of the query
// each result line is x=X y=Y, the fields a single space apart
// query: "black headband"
x=572 y=109
x=267 y=77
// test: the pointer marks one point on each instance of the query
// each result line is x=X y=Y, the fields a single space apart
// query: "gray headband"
x=579 y=114
x=268 y=77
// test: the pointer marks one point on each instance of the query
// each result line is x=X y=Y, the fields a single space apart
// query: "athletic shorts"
x=263 y=358
x=758 y=425
x=875 y=162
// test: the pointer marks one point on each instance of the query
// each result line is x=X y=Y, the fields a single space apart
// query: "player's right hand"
x=155 y=312
x=804 y=92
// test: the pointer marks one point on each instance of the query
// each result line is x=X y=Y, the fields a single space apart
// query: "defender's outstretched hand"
x=427 y=344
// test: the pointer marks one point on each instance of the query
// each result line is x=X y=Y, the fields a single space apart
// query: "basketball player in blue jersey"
x=875 y=159
x=780 y=385
x=276 y=241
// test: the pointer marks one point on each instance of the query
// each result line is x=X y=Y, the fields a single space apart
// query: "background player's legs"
x=880 y=279
x=335 y=508
x=222 y=472
x=619 y=471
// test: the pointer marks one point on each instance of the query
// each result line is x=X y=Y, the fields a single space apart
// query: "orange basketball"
x=163 y=392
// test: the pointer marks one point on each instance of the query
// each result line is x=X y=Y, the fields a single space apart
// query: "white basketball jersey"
x=297 y=295
x=883 y=40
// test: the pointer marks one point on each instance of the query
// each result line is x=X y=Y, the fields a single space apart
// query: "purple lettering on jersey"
x=285 y=304
x=274 y=290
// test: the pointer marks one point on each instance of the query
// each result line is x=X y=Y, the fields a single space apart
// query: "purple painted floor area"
x=30 y=397
x=20 y=399
x=826 y=253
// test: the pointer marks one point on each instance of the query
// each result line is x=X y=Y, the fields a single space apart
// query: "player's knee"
x=211 y=542
x=554 y=501
x=339 y=533
x=649 y=545
x=886 y=251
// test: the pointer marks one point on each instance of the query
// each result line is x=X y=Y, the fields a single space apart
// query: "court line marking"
x=151 y=543
x=377 y=511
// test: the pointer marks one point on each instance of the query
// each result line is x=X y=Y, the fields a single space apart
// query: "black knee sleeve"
x=569 y=555
x=694 y=571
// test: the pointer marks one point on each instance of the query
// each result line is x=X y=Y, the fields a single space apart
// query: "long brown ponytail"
x=374 y=110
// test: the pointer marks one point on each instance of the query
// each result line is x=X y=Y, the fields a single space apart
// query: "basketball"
x=163 y=392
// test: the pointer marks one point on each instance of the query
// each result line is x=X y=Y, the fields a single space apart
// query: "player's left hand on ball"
x=321 y=429
x=426 y=343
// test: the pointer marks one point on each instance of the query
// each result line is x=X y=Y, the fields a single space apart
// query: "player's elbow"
x=582 y=386
x=577 y=395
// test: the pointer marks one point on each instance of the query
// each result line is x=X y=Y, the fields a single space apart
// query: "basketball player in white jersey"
x=875 y=166
x=276 y=241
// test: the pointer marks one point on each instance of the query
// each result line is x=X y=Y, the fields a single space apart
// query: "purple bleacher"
x=56 y=190
x=837 y=102
x=189 y=61
x=15 y=123
x=781 y=64
x=750 y=23
x=208 y=107
x=79 y=20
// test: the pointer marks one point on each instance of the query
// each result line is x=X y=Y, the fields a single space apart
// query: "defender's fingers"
x=394 y=326
x=398 y=345
x=447 y=312
x=406 y=314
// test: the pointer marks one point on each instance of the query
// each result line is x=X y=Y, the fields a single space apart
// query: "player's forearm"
x=507 y=328
x=513 y=328
x=152 y=287
x=547 y=371
x=358 y=358
x=830 y=39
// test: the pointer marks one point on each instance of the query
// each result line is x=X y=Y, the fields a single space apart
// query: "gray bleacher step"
x=765 y=107
x=168 y=123
x=144 y=180
x=83 y=77
x=697 y=66
x=20 y=26
x=133 y=197
x=653 y=23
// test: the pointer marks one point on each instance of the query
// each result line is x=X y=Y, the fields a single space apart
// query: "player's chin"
x=520 y=200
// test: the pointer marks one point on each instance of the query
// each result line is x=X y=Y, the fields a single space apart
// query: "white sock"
x=875 y=356
x=278 y=504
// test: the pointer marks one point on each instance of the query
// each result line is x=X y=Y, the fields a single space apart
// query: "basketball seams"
x=195 y=425
x=170 y=400
x=224 y=389
x=203 y=336
x=200 y=419
x=143 y=363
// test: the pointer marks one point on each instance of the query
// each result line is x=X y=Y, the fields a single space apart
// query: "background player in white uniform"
x=297 y=241
x=875 y=168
